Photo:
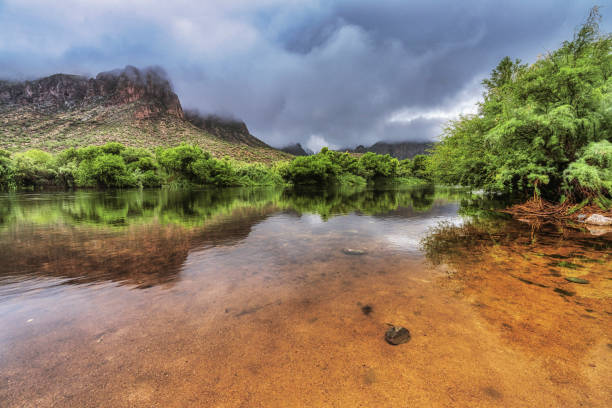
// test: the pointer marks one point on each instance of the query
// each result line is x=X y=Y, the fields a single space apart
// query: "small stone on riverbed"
x=366 y=310
x=598 y=219
x=350 y=251
x=576 y=280
x=397 y=335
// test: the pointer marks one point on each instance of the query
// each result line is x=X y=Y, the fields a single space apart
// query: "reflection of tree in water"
x=141 y=256
x=143 y=237
x=136 y=238
x=328 y=203
x=484 y=227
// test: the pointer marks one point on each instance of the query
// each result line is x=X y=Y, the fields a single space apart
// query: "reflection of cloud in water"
x=312 y=219
x=409 y=235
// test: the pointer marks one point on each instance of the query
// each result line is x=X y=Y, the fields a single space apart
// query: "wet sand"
x=274 y=318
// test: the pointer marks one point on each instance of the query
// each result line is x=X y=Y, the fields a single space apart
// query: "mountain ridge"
x=399 y=150
x=135 y=107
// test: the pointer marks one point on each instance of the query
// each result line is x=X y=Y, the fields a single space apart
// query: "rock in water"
x=597 y=230
x=576 y=280
x=598 y=219
x=366 y=310
x=349 y=251
x=397 y=335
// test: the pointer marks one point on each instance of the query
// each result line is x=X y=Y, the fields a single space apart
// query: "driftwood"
x=537 y=209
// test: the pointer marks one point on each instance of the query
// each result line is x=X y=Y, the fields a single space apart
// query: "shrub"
x=257 y=174
x=132 y=154
x=34 y=168
x=7 y=172
x=591 y=174
x=374 y=166
x=315 y=169
x=222 y=173
x=109 y=170
x=185 y=161
x=351 y=180
x=420 y=168
x=147 y=179
x=113 y=148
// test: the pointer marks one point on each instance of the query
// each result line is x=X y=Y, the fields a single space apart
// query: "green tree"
x=7 y=171
x=109 y=170
x=374 y=166
x=534 y=120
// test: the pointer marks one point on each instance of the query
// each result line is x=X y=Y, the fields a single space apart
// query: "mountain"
x=296 y=150
x=399 y=150
x=135 y=107
x=228 y=129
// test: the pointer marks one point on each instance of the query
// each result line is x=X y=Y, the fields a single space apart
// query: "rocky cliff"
x=231 y=130
x=297 y=150
x=148 y=88
x=131 y=106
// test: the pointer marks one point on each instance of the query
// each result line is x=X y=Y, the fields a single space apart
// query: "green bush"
x=147 y=179
x=7 y=172
x=374 y=166
x=351 y=180
x=258 y=174
x=109 y=170
x=116 y=166
x=591 y=174
x=34 y=168
x=317 y=169
x=186 y=161
x=113 y=148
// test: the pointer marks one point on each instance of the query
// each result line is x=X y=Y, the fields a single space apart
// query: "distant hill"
x=135 y=107
x=230 y=130
x=399 y=150
x=297 y=150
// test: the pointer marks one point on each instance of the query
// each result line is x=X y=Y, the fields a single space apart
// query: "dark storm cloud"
x=337 y=72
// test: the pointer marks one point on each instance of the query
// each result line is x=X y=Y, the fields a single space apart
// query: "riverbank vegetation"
x=543 y=130
x=114 y=165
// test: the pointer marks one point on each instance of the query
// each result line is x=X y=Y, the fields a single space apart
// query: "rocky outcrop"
x=228 y=129
x=149 y=88
x=296 y=150
x=598 y=219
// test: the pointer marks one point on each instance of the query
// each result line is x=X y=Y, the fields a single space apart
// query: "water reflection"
x=142 y=238
x=251 y=298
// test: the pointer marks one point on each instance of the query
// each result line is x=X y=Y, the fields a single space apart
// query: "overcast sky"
x=337 y=73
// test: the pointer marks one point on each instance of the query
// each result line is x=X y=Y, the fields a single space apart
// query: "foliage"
x=591 y=174
x=374 y=166
x=7 y=172
x=330 y=167
x=109 y=170
x=185 y=161
x=535 y=122
x=34 y=168
x=317 y=169
x=116 y=166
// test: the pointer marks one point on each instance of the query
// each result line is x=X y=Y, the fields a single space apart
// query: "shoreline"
x=538 y=211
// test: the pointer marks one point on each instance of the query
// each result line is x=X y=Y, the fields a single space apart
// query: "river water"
x=270 y=298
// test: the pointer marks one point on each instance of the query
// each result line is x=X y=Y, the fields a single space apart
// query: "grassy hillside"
x=22 y=128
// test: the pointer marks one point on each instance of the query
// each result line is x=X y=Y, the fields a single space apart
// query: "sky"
x=322 y=73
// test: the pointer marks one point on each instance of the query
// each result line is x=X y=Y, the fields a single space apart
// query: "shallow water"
x=249 y=298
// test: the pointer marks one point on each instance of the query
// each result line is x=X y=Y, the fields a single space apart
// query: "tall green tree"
x=535 y=120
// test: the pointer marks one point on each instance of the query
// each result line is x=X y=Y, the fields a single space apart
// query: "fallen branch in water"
x=538 y=209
